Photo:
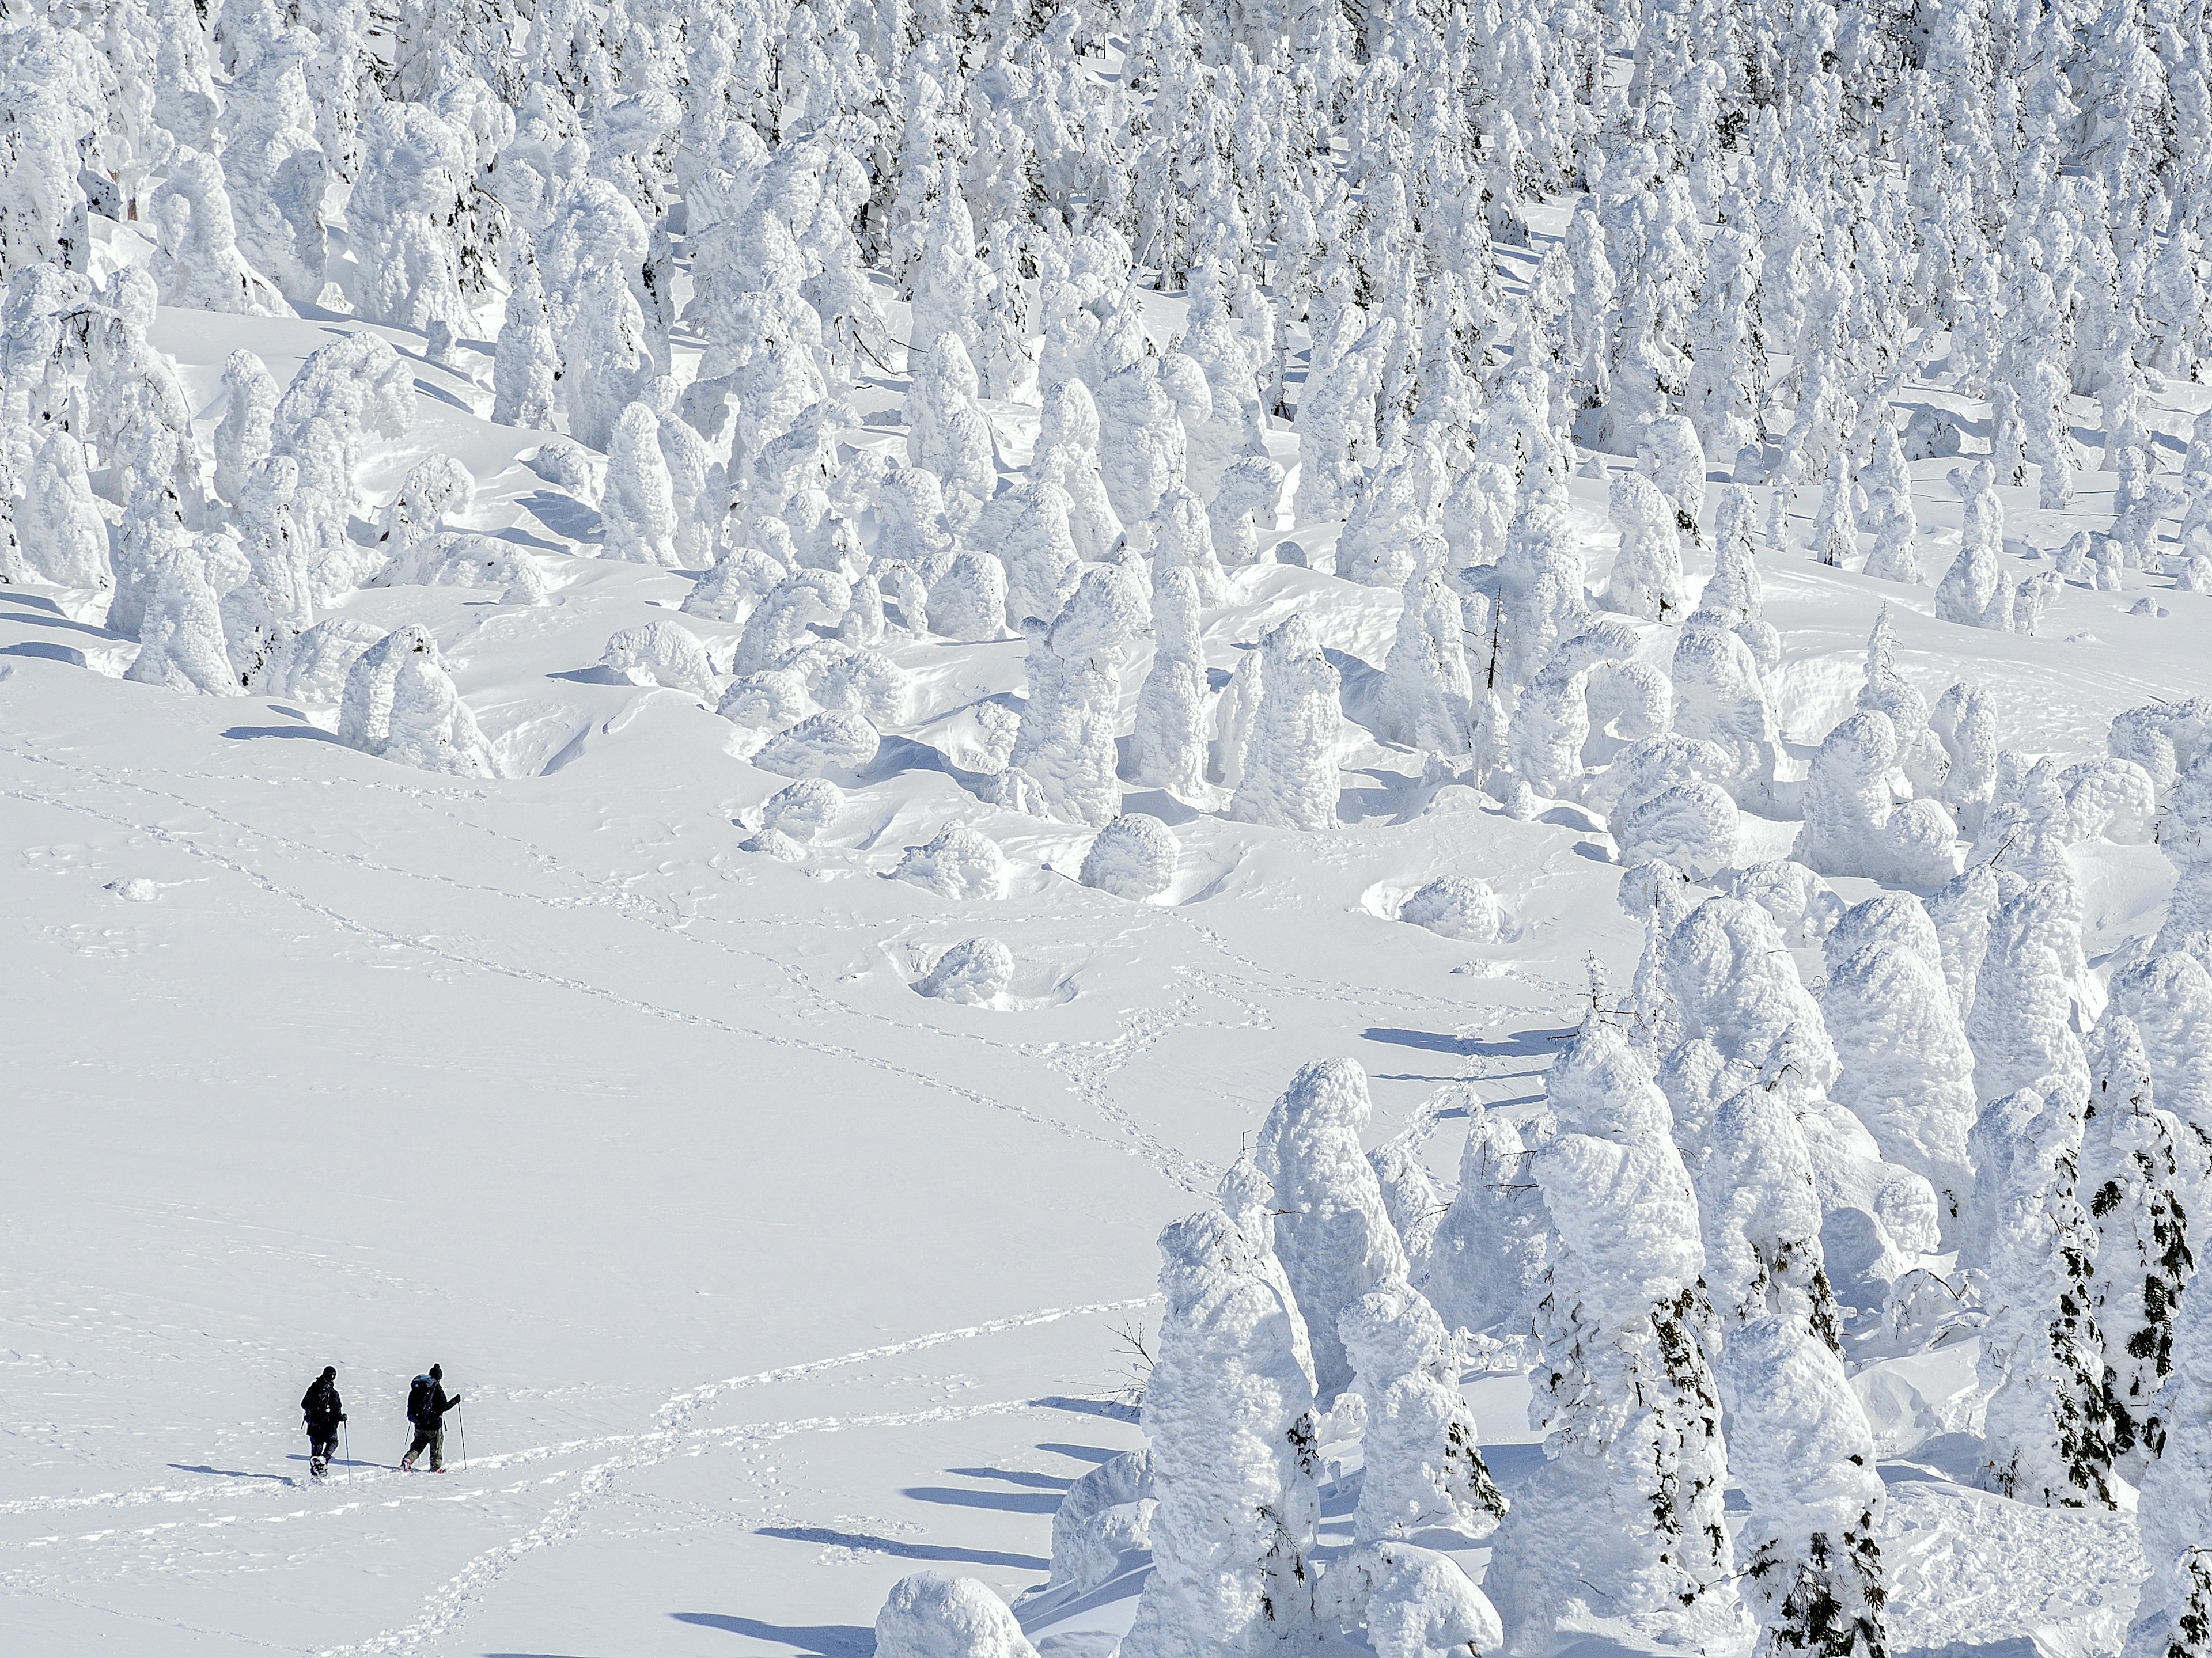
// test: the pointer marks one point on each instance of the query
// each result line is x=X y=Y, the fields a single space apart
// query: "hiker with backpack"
x=324 y=1410
x=426 y=1405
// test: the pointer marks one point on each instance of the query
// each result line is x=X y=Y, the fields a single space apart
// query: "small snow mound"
x=929 y=1615
x=825 y=742
x=973 y=971
x=801 y=811
x=567 y=465
x=1134 y=857
x=1456 y=906
x=1105 y=1514
x=960 y=862
x=137 y=889
x=774 y=843
x=662 y=653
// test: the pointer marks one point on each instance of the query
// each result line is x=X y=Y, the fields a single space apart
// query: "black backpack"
x=419 y=1407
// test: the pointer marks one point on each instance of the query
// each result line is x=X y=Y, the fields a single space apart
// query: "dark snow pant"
x=432 y=1435
x=323 y=1448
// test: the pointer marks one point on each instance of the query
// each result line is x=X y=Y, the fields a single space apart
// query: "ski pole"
x=462 y=1417
x=348 y=1432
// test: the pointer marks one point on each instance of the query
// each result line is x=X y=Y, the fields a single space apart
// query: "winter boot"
x=407 y=1463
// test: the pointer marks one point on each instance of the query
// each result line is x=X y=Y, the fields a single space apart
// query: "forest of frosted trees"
x=1429 y=267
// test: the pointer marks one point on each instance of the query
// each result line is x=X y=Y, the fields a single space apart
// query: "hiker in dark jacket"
x=426 y=1405
x=324 y=1410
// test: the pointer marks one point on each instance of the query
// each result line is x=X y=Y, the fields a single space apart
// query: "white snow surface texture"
x=873 y=751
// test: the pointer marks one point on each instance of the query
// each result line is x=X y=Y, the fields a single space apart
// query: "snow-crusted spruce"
x=1334 y=1234
x=975 y=971
x=1229 y=1411
x=1624 y=1519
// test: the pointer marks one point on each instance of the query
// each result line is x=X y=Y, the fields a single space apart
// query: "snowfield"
x=1024 y=820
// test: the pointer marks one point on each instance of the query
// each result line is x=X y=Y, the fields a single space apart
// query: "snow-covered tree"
x=1229 y=1410
x=1624 y=1519
x=1288 y=772
x=1333 y=1233
x=2130 y=1180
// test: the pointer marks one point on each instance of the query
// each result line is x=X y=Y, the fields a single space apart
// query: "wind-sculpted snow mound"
x=973 y=971
x=831 y=744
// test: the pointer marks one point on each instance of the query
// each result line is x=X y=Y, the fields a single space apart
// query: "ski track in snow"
x=673 y=1433
x=447 y=1605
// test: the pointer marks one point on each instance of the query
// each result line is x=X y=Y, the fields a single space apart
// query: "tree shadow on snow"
x=937 y=1551
x=244 y=733
x=1009 y=1501
x=1518 y=1045
x=1079 y=1453
x=57 y=619
x=1050 y=1482
x=45 y=650
x=1112 y=1409
x=822 y=1640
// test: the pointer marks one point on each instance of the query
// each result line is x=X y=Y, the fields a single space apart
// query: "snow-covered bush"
x=960 y=862
x=1134 y=857
x=660 y=653
x=1456 y=906
x=928 y=1615
x=830 y=744
x=973 y=971
x=400 y=704
x=1102 y=1518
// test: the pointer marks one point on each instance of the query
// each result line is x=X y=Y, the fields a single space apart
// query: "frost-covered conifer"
x=1800 y=1448
x=1167 y=748
x=1043 y=566
x=1427 y=699
x=1975 y=592
x=180 y=637
x=1487 y=1258
x=1647 y=572
x=1907 y=1072
x=1229 y=1411
x=947 y=432
x=1066 y=741
x=639 y=508
x=1624 y=1519
x=199 y=265
x=402 y=215
x=400 y=704
x=1288 y=773
x=62 y=533
x=347 y=394
x=2049 y=1432
x=1332 y=1231
x=1853 y=825
x=1067 y=450
x=2173 y=1616
x=2022 y=1023
x=1141 y=443
x=1423 y=1467
x=525 y=364
x=2129 y=1182
x=242 y=435
x=1243 y=510
x=264 y=613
